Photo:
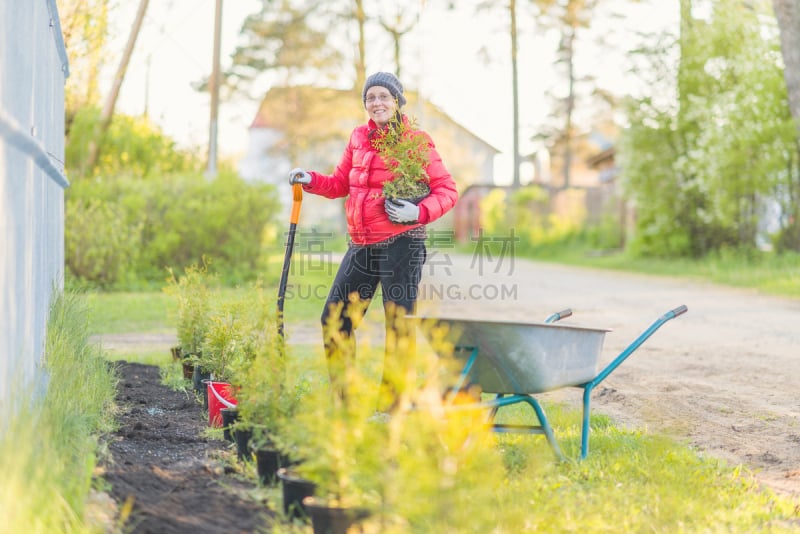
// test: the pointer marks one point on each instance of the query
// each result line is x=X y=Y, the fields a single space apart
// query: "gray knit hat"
x=387 y=80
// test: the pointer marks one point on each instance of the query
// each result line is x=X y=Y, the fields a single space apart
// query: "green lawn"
x=769 y=273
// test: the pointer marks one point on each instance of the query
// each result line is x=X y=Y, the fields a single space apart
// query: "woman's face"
x=381 y=105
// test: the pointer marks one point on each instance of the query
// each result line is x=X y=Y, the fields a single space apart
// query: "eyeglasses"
x=384 y=98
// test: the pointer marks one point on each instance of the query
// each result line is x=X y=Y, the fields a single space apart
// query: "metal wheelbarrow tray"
x=516 y=360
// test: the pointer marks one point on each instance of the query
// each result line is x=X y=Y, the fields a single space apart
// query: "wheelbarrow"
x=515 y=361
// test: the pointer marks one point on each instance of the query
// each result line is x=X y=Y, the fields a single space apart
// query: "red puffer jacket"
x=360 y=176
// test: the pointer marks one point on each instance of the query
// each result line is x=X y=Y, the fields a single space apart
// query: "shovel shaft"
x=297 y=193
x=287 y=258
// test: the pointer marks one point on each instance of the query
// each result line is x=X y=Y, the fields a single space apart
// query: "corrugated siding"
x=32 y=74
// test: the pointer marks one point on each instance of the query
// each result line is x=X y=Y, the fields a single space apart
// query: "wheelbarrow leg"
x=464 y=375
x=546 y=428
x=587 y=399
x=493 y=411
x=544 y=425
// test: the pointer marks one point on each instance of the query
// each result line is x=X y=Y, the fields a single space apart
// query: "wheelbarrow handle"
x=563 y=314
x=635 y=345
x=680 y=310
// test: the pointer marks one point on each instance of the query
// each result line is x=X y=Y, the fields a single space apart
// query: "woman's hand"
x=401 y=211
x=299 y=176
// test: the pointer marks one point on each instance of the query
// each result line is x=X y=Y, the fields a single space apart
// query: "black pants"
x=397 y=268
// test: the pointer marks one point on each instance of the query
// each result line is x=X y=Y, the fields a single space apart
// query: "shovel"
x=297 y=190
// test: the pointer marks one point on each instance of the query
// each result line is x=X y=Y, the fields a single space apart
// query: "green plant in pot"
x=415 y=472
x=224 y=346
x=193 y=293
x=406 y=153
x=338 y=450
x=339 y=445
x=267 y=396
x=267 y=399
x=444 y=460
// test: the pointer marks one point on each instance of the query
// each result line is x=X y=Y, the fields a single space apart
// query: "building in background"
x=33 y=70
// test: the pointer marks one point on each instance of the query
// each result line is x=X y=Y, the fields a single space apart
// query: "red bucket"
x=220 y=395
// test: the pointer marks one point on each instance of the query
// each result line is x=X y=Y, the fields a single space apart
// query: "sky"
x=443 y=61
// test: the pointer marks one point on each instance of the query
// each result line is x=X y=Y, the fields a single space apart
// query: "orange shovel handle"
x=297 y=190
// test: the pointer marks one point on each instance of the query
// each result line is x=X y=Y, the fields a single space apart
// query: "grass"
x=154 y=311
x=632 y=481
x=49 y=442
x=122 y=312
x=766 y=272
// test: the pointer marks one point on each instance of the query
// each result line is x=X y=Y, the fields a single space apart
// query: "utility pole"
x=214 y=89
x=515 y=90
x=147 y=87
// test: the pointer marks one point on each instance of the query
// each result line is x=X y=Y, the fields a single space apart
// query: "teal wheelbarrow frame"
x=550 y=352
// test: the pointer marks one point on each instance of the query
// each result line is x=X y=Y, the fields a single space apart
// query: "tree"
x=701 y=165
x=512 y=11
x=84 y=24
x=111 y=99
x=787 y=13
x=511 y=7
x=400 y=24
x=360 y=17
x=285 y=42
x=569 y=17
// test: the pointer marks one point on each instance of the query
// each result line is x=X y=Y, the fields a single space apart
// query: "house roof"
x=264 y=117
x=601 y=156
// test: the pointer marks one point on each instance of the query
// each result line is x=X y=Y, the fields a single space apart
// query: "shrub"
x=138 y=227
x=100 y=246
x=132 y=145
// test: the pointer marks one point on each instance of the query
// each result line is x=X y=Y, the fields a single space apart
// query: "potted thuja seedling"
x=340 y=445
x=336 y=447
x=192 y=292
x=406 y=152
x=267 y=395
x=267 y=401
x=226 y=349
x=417 y=470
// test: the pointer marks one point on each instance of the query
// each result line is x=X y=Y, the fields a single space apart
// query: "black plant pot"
x=294 y=489
x=229 y=416
x=199 y=377
x=242 y=438
x=268 y=461
x=188 y=370
x=413 y=199
x=332 y=519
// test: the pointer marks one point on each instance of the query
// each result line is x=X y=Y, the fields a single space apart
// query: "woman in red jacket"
x=387 y=238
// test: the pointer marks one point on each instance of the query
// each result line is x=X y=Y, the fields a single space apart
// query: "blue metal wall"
x=33 y=70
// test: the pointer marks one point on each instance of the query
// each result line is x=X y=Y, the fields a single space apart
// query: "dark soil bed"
x=178 y=480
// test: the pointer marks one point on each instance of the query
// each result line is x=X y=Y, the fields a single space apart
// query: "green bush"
x=126 y=230
x=99 y=244
x=522 y=221
x=131 y=146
